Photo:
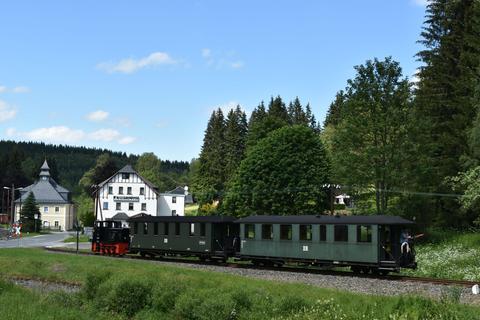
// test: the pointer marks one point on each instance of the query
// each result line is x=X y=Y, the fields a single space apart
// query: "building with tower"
x=54 y=201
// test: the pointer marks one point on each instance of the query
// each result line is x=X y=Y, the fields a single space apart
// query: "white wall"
x=166 y=205
x=135 y=182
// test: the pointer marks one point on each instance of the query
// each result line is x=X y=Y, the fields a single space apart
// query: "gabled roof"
x=325 y=219
x=177 y=190
x=128 y=169
x=120 y=216
x=45 y=191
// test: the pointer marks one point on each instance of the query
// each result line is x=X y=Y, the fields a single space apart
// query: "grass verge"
x=126 y=289
x=82 y=238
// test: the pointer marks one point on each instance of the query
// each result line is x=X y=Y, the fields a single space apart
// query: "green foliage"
x=27 y=215
x=283 y=174
x=127 y=297
x=149 y=166
x=446 y=101
x=210 y=179
x=104 y=168
x=85 y=209
x=368 y=144
x=235 y=140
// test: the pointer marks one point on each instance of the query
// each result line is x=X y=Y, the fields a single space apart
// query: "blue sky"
x=144 y=76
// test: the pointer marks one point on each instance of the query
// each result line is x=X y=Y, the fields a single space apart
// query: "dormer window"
x=125 y=176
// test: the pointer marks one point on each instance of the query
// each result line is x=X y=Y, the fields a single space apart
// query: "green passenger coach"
x=365 y=243
x=204 y=237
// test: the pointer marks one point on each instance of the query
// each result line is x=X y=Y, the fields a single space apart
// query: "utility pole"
x=13 y=203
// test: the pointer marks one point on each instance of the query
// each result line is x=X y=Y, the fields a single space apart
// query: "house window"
x=142 y=191
x=341 y=233
x=177 y=228
x=192 y=229
x=135 y=227
x=110 y=190
x=165 y=228
x=145 y=228
x=267 y=232
x=306 y=232
x=105 y=206
x=144 y=207
x=364 y=233
x=174 y=212
x=130 y=206
x=323 y=232
x=129 y=190
x=56 y=224
x=57 y=209
x=45 y=209
x=174 y=199
x=285 y=232
x=202 y=230
x=155 y=229
x=120 y=190
x=249 y=231
x=118 y=206
x=125 y=176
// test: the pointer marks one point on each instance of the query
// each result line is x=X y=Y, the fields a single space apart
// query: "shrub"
x=127 y=297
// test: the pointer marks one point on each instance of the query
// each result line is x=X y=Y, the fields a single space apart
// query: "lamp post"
x=12 y=196
x=35 y=216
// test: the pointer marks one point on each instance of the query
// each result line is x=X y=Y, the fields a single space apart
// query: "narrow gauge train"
x=364 y=243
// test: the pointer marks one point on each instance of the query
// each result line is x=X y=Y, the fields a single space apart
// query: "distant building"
x=127 y=193
x=54 y=201
x=344 y=199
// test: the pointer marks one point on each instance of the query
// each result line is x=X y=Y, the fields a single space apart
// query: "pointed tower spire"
x=45 y=171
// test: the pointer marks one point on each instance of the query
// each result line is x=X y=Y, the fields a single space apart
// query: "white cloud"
x=104 y=135
x=221 y=60
x=98 y=115
x=21 y=89
x=132 y=65
x=64 y=134
x=11 y=132
x=127 y=140
x=61 y=134
x=422 y=3
x=7 y=112
x=206 y=53
x=237 y=64
x=18 y=89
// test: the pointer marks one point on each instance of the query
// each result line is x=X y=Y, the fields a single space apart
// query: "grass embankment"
x=449 y=255
x=122 y=289
x=82 y=238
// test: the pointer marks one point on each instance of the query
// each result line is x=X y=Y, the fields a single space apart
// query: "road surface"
x=53 y=239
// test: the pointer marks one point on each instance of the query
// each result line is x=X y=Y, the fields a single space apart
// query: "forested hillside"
x=20 y=163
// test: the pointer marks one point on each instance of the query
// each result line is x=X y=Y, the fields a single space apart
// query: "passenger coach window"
x=285 y=232
x=341 y=233
x=135 y=227
x=267 y=232
x=364 y=233
x=202 y=230
x=177 y=228
x=145 y=228
x=192 y=229
x=155 y=229
x=249 y=231
x=306 y=232
x=323 y=232
x=165 y=228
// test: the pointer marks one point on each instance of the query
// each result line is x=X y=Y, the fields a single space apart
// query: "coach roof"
x=326 y=219
x=187 y=219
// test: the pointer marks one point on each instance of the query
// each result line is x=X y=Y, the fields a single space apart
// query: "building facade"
x=54 y=201
x=127 y=193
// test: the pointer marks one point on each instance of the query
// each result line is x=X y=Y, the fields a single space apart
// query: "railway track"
x=446 y=282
